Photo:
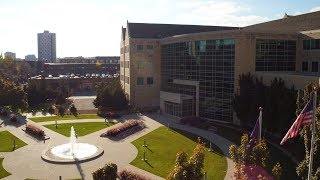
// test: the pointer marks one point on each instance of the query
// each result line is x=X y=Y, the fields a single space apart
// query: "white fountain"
x=72 y=151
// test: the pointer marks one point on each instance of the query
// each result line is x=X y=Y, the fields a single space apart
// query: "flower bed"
x=34 y=130
x=122 y=128
x=13 y=118
x=129 y=175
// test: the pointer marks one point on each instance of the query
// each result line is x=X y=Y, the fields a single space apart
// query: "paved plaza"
x=26 y=162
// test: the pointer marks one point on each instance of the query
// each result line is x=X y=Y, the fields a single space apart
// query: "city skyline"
x=92 y=28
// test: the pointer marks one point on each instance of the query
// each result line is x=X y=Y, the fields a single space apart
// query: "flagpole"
x=312 y=136
x=260 y=122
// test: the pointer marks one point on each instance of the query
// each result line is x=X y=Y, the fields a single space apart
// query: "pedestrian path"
x=27 y=163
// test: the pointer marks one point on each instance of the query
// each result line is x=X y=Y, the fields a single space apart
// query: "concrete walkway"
x=26 y=162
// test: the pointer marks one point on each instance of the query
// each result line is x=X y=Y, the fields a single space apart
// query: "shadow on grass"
x=149 y=149
x=148 y=164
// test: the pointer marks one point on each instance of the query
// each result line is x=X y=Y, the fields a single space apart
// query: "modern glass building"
x=191 y=70
x=209 y=62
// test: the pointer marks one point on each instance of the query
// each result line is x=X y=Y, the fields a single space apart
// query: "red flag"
x=304 y=118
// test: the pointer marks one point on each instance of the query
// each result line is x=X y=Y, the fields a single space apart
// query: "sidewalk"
x=26 y=162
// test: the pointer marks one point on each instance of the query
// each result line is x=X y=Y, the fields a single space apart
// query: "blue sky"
x=92 y=27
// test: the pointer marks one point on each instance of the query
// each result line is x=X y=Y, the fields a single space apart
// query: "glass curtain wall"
x=211 y=62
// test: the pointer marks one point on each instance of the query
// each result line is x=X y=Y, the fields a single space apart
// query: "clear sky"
x=92 y=27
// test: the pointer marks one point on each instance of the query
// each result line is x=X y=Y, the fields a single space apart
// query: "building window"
x=202 y=46
x=314 y=67
x=149 y=80
x=139 y=47
x=275 y=55
x=150 y=48
x=139 y=80
x=310 y=44
x=305 y=66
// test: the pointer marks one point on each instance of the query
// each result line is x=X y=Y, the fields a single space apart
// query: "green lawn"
x=3 y=172
x=66 y=117
x=163 y=146
x=81 y=129
x=288 y=166
x=6 y=142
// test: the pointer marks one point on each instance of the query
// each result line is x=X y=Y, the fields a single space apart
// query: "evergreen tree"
x=243 y=97
x=110 y=95
x=61 y=111
x=51 y=110
x=74 y=110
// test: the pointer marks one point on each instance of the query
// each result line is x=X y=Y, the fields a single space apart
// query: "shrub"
x=125 y=126
x=3 y=112
x=13 y=118
x=51 y=110
x=112 y=115
x=34 y=130
x=107 y=172
x=61 y=111
x=74 y=110
x=129 y=175
x=192 y=169
x=192 y=120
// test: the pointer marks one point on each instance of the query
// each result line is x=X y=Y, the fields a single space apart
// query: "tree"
x=61 y=111
x=180 y=168
x=98 y=65
x=302 y=168
x=243 y=97
x=192 y=169
x=110 y=95
x=108 y=172
x=51 y=110
x=74 y=110
x=244 y=155
x=253 y=93
x=60 y=99
x=196 y=162
x=12 y=95
x=277 y=171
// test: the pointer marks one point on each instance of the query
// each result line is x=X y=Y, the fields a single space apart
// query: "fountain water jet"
x=72 y=151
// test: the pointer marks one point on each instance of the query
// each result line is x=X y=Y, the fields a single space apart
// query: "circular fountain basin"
x=63 y=154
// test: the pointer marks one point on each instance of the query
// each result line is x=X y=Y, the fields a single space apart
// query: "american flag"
x=304 y=118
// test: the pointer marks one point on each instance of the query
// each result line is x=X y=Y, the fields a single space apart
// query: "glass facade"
x=275 y=55
x=311 y=44
x=211 y=63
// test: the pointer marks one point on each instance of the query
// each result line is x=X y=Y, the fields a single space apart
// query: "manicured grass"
x=276 y=155
x=163 y=146
x=6 y=142
x=3 y=172
x=66 y=117
x=81 y=129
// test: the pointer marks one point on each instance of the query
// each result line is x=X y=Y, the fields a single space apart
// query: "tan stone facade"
x=141 y=63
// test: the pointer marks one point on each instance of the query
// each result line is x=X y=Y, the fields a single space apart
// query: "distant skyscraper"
x=10 y=54
x=30 y=57
x=47 y=47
